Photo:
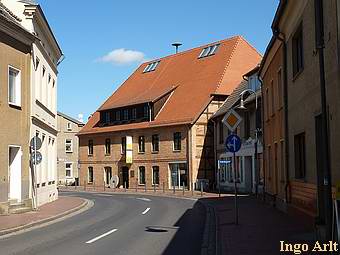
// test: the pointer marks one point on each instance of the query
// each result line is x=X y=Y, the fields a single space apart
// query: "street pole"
x=35 y=175
x=235 y=190
x=219 y=179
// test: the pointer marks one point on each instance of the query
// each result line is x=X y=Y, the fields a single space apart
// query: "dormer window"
x=208 y=51
x=151 y=67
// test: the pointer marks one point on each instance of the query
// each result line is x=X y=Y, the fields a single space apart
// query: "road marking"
x=101 y=236
x=146 y=210
x=143 y=199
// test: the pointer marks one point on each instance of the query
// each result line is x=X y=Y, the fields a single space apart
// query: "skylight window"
x=208 y=51
x=151 y=67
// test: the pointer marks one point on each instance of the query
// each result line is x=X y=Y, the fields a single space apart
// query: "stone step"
x=19 y=210
x=16 y=205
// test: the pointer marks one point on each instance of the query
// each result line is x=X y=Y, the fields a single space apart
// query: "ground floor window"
x=178 y=174
x=68 y=169
x=155 y=175
x=141 y=175
x=225 y=170
x=107 y=175
x=90 y=174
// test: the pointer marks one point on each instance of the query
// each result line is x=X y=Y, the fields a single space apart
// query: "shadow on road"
x=189 y=235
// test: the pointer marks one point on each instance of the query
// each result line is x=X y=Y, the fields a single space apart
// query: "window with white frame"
x=68 y=145
x=155 y=175
x=69 y=126
x=68 y=169
x=14 y=86
x=141 y=175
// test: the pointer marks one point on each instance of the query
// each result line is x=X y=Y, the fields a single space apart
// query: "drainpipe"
x=281 y=37
x=327 y=181
x=189 y=158
x=263 y=141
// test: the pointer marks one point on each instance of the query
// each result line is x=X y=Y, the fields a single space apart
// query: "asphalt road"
x=118 y=224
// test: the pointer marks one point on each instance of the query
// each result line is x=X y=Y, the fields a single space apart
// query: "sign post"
x=36 y=158
x=233 y=144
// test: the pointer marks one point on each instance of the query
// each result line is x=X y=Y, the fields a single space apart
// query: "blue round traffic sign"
x=233 y=143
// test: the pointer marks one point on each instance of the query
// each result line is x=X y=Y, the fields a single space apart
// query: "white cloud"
x=123 y=57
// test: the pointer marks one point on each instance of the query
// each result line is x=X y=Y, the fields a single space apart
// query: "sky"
x=104 y=41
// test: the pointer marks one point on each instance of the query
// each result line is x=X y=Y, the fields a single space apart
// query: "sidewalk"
x=45 y=213
x=260 y=230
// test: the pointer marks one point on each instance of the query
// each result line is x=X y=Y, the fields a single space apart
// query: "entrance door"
x=14 y=173
x=178 y=175
x=125 y=171
x=107 y=175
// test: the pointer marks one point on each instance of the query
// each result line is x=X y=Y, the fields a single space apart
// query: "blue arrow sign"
x=233 y=143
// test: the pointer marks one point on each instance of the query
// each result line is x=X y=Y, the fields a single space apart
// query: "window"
x=272 y=97
x=141 y=175
x=134 y=114
x=14 y=86
x=155 y=175
x=267 y=104
x=49 y=78
x=297 y=48
x=69 y=126
x=145 y=111
x=221 y=132
x=151 y=67
x=107 y=146
x=118 y=115
x=141 y=144
x=126 y=114
x=107 y=118
x=177 y=141
x=279 y=88
x=155 y=143
x=37 y=61
x=90 y=147
x=90 y=175
x=300 y=156
x=246 y=125
x=44 y=71
x=68 y=169
x=123 y=147
x=68 y=145
x=208 y=51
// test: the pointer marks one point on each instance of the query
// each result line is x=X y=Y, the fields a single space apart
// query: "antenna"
x=176 y=44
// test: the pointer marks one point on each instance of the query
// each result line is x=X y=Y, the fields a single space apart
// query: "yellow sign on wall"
x=128 y=156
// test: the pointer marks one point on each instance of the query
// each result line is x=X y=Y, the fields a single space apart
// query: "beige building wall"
x=15 y=119
x=67 y=130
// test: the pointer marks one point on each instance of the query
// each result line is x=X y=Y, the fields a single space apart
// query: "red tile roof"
x=192 y=80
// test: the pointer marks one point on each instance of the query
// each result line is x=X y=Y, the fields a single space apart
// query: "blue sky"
x=104 y=41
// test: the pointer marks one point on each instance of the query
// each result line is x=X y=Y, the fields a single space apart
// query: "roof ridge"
x=251 y=46
x=192 y=49
x=228 y=62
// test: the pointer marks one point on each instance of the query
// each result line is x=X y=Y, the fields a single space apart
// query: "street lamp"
x=257 y=130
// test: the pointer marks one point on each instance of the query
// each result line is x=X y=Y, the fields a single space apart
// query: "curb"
x=8 y=231
x=132 y=193
x=209 y=243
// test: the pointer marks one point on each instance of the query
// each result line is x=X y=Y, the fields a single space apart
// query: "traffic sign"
x=233 y=143
x=36 y=157
x=232 y=119
x=36 y=142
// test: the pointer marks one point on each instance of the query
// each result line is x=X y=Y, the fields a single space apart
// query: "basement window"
x=151 y=67
x=209 y=51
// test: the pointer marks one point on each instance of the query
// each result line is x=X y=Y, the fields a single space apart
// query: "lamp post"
x=257 y=130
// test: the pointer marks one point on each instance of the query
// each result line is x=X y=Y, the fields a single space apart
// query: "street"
x=118 y=224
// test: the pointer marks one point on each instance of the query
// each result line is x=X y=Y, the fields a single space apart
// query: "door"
x=14 y=173
x=107 y=175
x=125 y=173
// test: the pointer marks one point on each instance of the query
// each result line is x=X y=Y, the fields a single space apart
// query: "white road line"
x=101 y=236
x=146 y=210
x=143 y=199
